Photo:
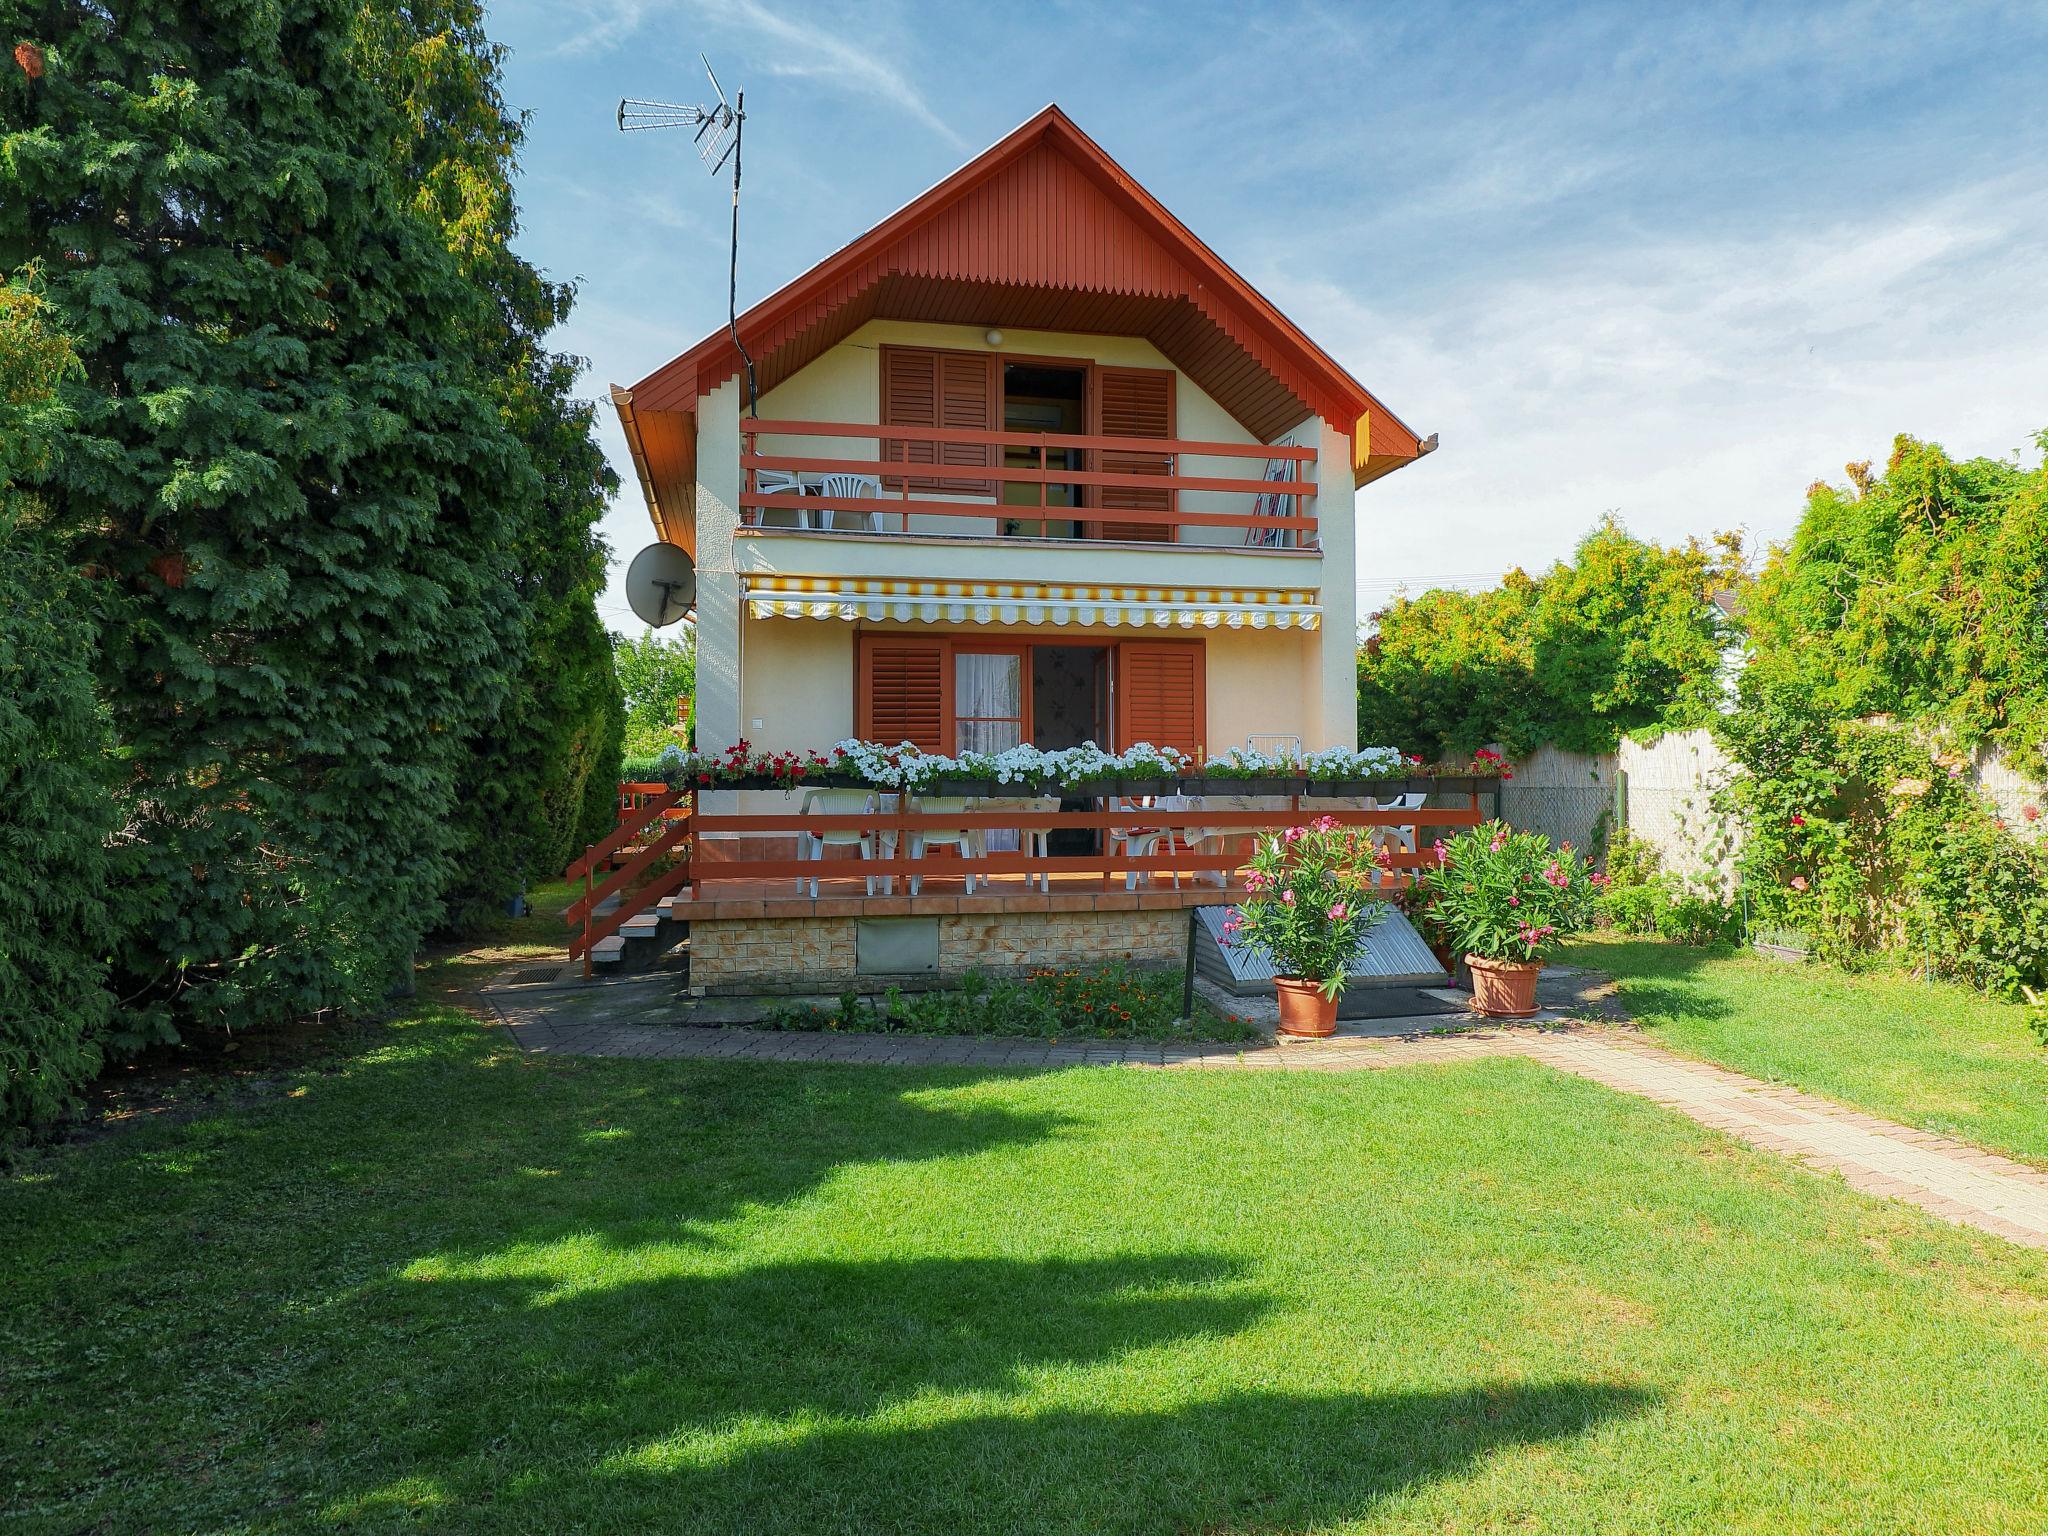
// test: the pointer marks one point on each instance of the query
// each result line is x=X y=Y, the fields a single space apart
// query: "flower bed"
x=1112 y=1002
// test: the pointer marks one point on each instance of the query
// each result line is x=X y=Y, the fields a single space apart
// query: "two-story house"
x=1025 y=463
x=1029 y=463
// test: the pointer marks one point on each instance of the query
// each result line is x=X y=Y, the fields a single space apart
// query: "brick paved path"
x=1951 y=1179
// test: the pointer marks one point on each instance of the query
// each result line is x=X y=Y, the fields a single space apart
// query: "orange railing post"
x=589 y=862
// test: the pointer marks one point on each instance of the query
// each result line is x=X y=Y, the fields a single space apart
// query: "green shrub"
x=58 y=819
x=1869 y=837
x=1620 y=638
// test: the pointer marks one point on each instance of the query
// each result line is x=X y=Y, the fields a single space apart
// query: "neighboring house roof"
x=1042 y=231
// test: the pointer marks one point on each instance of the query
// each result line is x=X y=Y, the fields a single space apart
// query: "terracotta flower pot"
x=1304 y=1010
x=1504 y=989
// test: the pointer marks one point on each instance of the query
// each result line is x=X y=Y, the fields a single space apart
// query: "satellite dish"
x=661 y=584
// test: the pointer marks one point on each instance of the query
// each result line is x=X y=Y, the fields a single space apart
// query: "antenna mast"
x=720 y=129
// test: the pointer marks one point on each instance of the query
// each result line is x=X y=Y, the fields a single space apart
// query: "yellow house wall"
x=799 y=673
x=800 y=679
x=845 y=384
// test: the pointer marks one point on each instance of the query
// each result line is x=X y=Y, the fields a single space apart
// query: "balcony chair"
x=780 y=482
x=836 y=802
x=1033 y=836
x=966 y=839
x=853 y=485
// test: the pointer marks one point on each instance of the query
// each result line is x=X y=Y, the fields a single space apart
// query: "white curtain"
x=988 y=683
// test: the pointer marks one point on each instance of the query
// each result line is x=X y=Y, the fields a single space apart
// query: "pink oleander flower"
x=1291 y=835
x=1496 y=845
x=1339 y=912
x=1325 y=823
x=1232 y=924
x=1443 y=852
x=1288 y=897
x=1556 y=876
x=2031 y=812
x=1514 y=901
x=1596 y=879
x=1799 y=882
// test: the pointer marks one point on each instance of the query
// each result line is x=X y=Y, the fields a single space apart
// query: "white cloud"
x=1691 y=385
x=780 y=44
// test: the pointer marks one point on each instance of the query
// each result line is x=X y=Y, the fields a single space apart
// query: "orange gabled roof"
x=1044 y=231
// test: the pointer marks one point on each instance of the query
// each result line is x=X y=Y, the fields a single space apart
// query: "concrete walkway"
x=1951 y=1179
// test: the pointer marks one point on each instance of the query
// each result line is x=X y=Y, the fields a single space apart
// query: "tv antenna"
x=719 y=131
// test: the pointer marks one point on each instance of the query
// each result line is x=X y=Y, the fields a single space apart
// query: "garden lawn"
x=1933 y=1056
x=440 y=1286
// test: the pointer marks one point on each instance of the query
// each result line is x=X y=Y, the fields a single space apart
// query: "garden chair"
x=967 y=839
x=1031 y=833
x=1143 y=842
x=1403 y=839
x=778 y=482
x=853 y=485
x=835 y=802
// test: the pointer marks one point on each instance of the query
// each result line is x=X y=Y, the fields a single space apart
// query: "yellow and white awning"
x=997 y=602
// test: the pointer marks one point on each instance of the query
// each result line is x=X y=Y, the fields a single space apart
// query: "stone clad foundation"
x=743 y=955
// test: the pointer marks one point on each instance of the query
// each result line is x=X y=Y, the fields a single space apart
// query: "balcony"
x=958 y=482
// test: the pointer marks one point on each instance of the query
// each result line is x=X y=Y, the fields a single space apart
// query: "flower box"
x=1202 y=785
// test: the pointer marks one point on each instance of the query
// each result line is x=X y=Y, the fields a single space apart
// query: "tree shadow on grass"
x=1244 y=1462
x=553 y=1381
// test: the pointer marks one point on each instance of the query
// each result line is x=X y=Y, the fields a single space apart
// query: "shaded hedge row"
x=315 y=514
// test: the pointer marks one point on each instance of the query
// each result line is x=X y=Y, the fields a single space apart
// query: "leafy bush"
x=657 y=678
x=1111 y=1002
x=1639 y=897
x=58 y=816
x=1921 y=593
x=1868 y=836
x=306 y=466
x=1507 y=895
x=1309 y=901
x=1621 y=638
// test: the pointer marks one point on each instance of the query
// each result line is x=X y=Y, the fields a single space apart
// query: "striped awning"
x=1064 y=605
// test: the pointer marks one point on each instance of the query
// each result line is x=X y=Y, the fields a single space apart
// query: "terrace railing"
x=1222 y=848
x=1124 y=487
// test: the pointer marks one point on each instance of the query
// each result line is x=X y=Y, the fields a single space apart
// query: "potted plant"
x=1308 y=904
x=1505 y=900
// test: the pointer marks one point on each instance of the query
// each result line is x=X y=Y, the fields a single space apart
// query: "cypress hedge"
x=321 y=476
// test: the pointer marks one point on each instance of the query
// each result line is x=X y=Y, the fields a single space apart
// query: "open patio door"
x=1133 y=402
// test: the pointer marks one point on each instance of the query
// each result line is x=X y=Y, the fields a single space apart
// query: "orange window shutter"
x=904 y=691
x=1134 y=402
x=925 y=388
x=1162 y=691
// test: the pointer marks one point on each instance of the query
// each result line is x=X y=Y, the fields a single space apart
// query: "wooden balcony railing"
x=1198 y=842
x=1124 y=487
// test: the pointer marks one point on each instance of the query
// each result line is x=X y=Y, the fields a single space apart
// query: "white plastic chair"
x=1406 y=839
x=1142 y=842
x=1033 y=836
x=835 y=802
x=966 y=839
x=1190 y=838
x=780 y=482
x=853 y=485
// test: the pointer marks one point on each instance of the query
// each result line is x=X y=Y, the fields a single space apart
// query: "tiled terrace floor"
x=1948 y=1178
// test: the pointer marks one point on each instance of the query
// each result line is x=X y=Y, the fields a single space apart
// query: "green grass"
x=1933 y=1056
x=440 y=1286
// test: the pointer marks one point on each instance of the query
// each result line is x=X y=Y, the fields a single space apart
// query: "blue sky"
x=1670 y=262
